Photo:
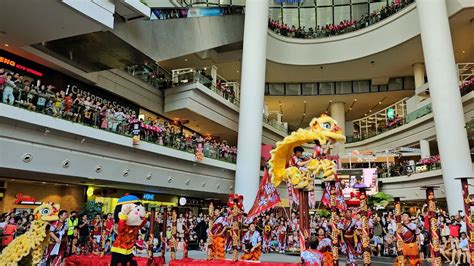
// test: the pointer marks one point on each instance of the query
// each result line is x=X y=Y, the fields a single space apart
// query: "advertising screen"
x=351 y=179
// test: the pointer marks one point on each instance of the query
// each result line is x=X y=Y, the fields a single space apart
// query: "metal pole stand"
x=163 y=233
x=434 y=229
x=303 y=215
x=151 y=236
x=400 y=260
x=366 y=252
x=467 y=214
x=334 y=220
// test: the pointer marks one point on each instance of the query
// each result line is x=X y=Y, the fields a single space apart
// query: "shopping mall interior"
x=180 y=103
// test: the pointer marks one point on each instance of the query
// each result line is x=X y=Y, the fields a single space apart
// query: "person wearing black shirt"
x=83 y=230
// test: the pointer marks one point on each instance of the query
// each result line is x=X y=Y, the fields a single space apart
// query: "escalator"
x=139 y=41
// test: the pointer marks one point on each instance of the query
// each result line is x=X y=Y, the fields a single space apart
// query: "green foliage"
x=91 y=208
x=323 y=213
x=380 y=199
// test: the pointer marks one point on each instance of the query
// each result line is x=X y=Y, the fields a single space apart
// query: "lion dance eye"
x=326 y=125
x=44 y=211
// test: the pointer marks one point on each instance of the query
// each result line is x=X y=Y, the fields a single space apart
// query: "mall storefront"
x=22 y=195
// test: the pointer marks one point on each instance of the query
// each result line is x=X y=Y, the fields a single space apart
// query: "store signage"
x=148 y=196
x=63 y=82
x=12 y=63
x=26 y=200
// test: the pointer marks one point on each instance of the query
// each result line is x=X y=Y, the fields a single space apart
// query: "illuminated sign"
x=25 y=200
x=14 y=64
x=148 y=196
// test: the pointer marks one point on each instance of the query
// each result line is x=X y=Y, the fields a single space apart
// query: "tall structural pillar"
x=425 y=148
x=254 y=56
x=446 y=98
x=419 y=73
x=338 y=112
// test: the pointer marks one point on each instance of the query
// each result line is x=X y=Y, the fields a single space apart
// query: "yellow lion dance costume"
x=28 y=249
x=324 y=129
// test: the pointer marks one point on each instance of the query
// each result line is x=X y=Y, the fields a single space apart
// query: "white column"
x=446 y=98
x=425 y=148
x=338 y=112
x=254 y=57
x=419 y=73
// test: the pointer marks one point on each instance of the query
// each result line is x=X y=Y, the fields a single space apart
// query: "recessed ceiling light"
x=330 y=101
x=304 y=114
x=370 y=111
x=355 y=100
x=6 y=44
x=380 y=102
x=365 y=114
x=304 y=101
x=463 y=51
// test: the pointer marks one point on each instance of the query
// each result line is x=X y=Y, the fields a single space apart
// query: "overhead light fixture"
x=304 y=101
x=380 y=102
x=6 y=45
x=350 y=108
x=330 y=101
x=304 y=114
x=185 y=60
x=238 y=71
x=463 y=51
x=370 y=111
x=355 y=100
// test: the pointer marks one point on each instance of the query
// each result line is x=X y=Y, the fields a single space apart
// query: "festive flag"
x=267 y=197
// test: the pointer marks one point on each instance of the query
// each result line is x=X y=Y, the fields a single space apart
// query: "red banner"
x=267 y=197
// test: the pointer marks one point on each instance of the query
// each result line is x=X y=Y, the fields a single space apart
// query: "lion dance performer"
x=409 y=235
x=252 y=243
x=217 y=233
x=130 y=216
x=28 y=249
x=348 y=227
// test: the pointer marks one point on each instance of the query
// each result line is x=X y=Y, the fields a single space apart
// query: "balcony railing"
x=388 y=118
x=333 y=28
x=113 y=120
x=394 y=116
x=230 y=91
x=152 y=74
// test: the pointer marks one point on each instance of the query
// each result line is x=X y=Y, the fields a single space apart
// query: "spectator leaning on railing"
x=46 y=99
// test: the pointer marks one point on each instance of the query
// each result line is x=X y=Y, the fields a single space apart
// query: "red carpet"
x=95 y=260
x=191 y=262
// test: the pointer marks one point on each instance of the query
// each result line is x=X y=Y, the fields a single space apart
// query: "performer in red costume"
x=218 y=231
x=410 y=233
x=348 y=227
x=130 y=215
x=281 y=232
x=267 y=237
x=324 y=246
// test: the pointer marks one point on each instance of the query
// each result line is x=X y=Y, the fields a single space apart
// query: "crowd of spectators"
x=94 y=235
x=175 y=13
x=342 y=27
x=46 y=99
